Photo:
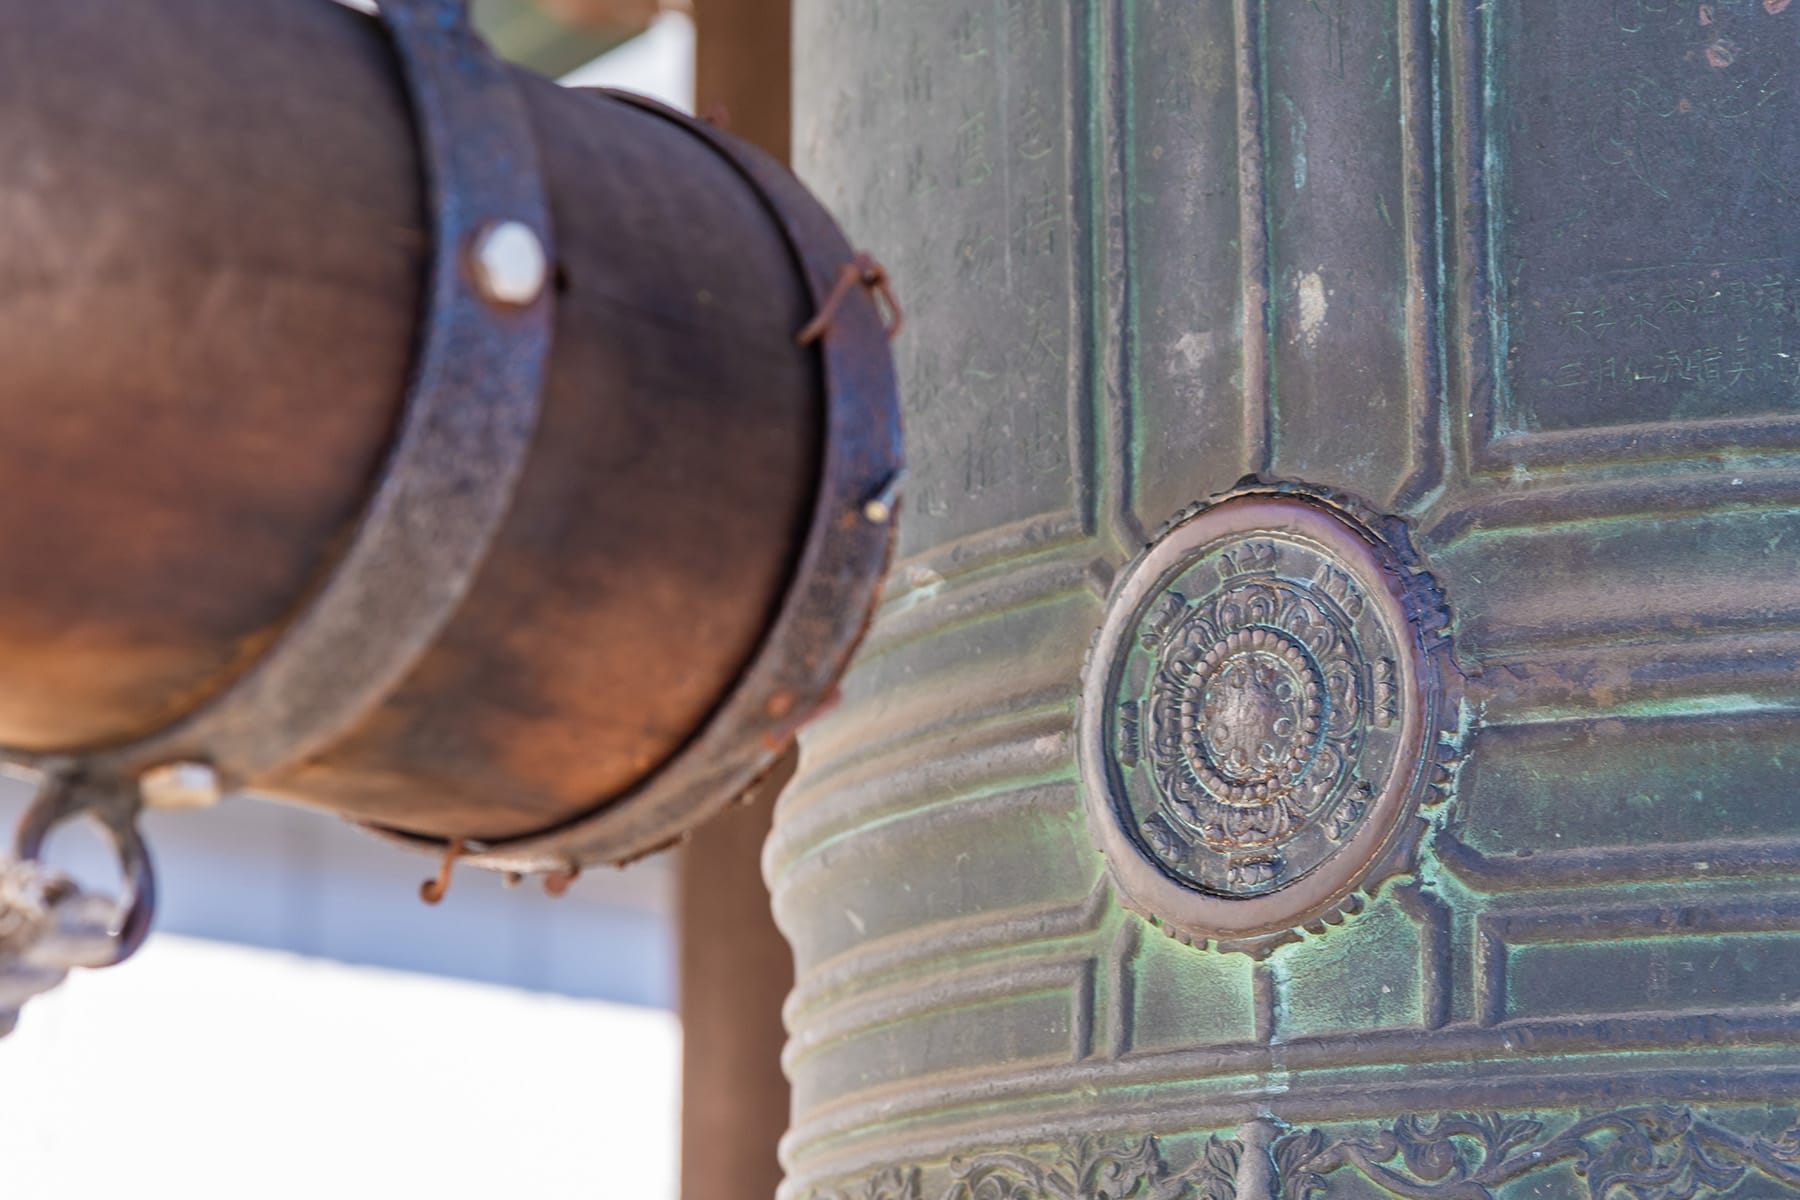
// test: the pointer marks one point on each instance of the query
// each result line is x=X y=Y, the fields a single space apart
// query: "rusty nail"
x=879 y=508
x=433 y=891
x=863 y=270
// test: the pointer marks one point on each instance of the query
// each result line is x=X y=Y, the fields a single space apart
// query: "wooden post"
x=742 y=69
x=735 y=967
x=735 y=972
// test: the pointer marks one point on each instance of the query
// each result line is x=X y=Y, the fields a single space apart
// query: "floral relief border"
x=1649 y=1152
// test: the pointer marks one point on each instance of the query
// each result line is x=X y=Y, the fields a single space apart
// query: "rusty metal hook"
x=863 y=270
x=433 y=891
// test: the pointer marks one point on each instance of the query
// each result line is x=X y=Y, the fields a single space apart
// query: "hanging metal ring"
x=113 y=804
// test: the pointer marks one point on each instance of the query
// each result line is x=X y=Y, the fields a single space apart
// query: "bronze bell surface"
x=1331 y=729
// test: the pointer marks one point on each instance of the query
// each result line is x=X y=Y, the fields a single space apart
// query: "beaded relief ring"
x=1262 y=717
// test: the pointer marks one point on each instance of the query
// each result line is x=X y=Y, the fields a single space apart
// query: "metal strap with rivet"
x=466 y=427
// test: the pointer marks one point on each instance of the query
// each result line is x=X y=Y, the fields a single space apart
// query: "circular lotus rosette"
x=1262 y=717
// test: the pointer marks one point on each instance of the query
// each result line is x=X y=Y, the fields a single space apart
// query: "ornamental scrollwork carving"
x=1648 y=1152
x=1089 y=1170
x=891 y=1184
x=1263 y=716
x=1653 y=1152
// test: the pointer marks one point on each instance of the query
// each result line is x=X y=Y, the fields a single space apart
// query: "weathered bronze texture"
x=1261 y=715
x=1520 y=276
x=218 y=239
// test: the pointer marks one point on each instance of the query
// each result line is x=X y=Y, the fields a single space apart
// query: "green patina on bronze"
x=1155 y=247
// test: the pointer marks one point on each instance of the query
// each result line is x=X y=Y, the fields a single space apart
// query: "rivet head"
x=508 y=262
x=180 y=785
